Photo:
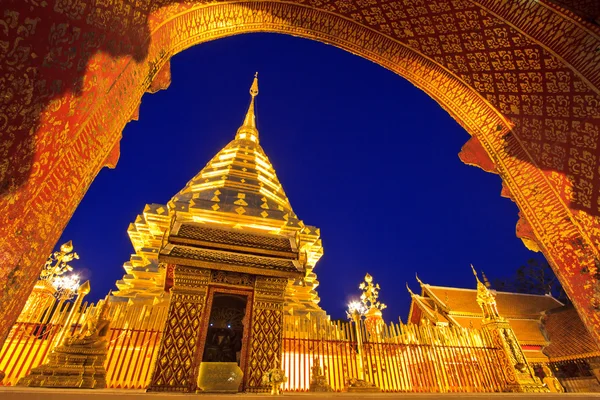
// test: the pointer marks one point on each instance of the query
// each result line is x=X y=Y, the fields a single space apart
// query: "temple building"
x=457 y=306
x=549 y=332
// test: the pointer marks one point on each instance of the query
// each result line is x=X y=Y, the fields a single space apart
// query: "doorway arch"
x=527 y=93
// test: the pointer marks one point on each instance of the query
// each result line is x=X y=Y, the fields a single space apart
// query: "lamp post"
x=66 y=287
x=356 y=311
x=57 y=263
x=82 y=291
x=370 y=300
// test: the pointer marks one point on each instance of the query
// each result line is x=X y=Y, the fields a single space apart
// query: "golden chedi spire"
x=239 y=186
x=239 y=189
x=248 y=129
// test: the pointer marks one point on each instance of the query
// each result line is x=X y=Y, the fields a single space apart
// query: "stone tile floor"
x=10 y=393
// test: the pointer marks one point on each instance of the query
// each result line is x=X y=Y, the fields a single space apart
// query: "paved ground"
x=8 y=393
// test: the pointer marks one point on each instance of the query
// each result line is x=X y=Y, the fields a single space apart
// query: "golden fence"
x=396 y=358
x=133 y=344
x=38 y=329
x=134 y=337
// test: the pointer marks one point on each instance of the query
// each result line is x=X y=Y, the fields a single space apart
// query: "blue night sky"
x=361 y=153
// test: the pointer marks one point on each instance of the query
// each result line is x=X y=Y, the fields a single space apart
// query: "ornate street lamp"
x=82 y=291
x=356 y=311
x=57 y=263
x=66 y=286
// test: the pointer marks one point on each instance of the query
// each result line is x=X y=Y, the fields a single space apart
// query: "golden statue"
x=274 y=378
x=551 y=381
x=79 y=362
x=93 y=333
x=318 y=380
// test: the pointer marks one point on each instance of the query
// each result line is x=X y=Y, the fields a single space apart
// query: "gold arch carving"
x=214 y=21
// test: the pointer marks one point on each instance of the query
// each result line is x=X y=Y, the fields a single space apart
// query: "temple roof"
x=231 y=261
x=569 y=338
x=240 y=181
x=459 y=306
x=236 y=237
x=464 y=301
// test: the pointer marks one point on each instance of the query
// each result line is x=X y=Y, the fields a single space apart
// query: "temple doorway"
x=225 y=332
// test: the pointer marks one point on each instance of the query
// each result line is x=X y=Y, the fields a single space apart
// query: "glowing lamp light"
x=66 y=283
x=356 y=308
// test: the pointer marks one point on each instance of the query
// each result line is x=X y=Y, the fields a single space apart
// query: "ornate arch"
x=522 y=78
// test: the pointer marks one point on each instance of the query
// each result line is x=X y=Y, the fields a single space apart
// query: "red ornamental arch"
x=522 y=77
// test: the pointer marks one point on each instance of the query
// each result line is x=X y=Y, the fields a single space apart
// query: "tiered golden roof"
x=144 y=278
x=238 y=190
x=239 y=185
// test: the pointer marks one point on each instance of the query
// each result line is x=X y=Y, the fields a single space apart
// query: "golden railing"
x=133 y=344
x=396 y=358
x=34 y=334
x=134 y=337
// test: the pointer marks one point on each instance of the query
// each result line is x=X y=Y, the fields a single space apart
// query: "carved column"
x=519 y=374
x=176 y=368
x=266 y=335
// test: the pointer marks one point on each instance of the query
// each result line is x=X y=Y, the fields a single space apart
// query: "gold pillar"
x=356 y=317
x=519 y=373
x=176 y=366
x=266 y=334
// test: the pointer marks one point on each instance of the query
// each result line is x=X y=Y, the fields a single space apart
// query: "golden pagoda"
x=238 y=190
x=231 y=231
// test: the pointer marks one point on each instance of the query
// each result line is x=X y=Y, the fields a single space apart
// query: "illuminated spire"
x=486 y=282
x=248 y=129
x=486 y=299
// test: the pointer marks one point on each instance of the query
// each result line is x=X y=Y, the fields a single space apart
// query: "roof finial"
x=474 y=272
x=248 y=129
x=418 y=280
x=486 y=282
x=480 y=285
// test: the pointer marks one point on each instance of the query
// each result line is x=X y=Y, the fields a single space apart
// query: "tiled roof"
x=568 y=336
x=427 y=305
x=464 y=301
x=534 y=356
x=242 y=260
x=238 y=238
x=527 y=330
